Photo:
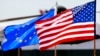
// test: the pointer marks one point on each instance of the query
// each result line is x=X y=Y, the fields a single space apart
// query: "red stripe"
x=46 y=25
x=68 y=40
x=42 y=21
x=57 y=28
x=72 y=33
x=49 y=24
x=54 y=28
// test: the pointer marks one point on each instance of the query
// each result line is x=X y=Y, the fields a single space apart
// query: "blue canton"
x=84 y=13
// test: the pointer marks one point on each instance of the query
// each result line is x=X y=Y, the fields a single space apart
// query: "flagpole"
x=94 y=47
x=95 y=31
x=55 y=51
x=18 y=51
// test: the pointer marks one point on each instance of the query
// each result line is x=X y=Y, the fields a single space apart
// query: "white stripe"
x=48 y=22
x=71 y=36
x=71 y=30
x=57 y=25
x=75 y=24
x=60 y=24
x=62 y=19
x=57 y=30
x=65 y=32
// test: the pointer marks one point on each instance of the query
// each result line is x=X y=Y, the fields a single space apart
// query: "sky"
x=19 y=8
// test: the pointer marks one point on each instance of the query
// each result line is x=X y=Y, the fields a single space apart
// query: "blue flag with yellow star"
x=24 y=34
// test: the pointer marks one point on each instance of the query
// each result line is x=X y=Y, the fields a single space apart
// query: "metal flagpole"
x=95 y=31
x=18 y=52
x=94 y=47
x=55 y=51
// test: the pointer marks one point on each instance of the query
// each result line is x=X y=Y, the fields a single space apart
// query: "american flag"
x=76 y=24
x=24 y=34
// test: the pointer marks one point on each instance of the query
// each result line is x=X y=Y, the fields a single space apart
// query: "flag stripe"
x=68 y=40
x=54 y=19
x=66 y=37
x=60 y=29
x=66 y=27
x=50 y=37
x=45 y=40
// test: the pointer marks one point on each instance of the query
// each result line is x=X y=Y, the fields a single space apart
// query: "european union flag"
x=24 y=34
